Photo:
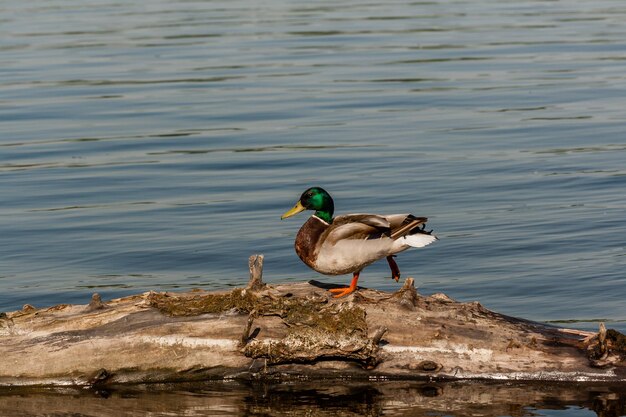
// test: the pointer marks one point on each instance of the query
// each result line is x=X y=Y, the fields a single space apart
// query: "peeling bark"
x=290 y=331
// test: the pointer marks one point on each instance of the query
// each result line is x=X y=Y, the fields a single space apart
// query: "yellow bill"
x=295 y=210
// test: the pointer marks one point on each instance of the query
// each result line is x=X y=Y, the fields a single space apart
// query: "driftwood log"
x=293 y=331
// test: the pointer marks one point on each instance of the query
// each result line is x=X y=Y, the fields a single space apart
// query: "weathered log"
x=291 y=331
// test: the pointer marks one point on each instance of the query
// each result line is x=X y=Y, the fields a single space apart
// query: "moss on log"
x=293 y=331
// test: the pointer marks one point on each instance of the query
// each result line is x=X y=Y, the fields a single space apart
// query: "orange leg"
x=340 y=292
x=395 y=271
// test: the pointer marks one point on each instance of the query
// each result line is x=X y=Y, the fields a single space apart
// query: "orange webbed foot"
x=342 y=292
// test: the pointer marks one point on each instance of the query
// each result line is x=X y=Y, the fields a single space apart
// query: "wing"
x=374 y=226
x=359 y=227
x=405 y=224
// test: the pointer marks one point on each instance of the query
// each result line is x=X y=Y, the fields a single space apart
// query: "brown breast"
x=307 y=238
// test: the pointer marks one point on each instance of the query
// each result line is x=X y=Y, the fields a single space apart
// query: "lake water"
x=154 y=145
x=320 y=399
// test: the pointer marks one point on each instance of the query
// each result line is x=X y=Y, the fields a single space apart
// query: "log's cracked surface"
x=293 y=331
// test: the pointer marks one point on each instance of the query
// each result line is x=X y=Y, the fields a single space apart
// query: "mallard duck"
x=347 y=244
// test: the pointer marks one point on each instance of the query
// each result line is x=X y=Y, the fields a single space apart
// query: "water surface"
x=154 y=145
x=318 y=398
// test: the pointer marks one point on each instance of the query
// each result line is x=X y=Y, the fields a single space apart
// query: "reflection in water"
x=321 y=399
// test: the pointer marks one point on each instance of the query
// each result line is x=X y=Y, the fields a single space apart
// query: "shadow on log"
x=293 y=331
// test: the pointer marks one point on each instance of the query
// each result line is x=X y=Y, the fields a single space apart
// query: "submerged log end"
x=255 y=263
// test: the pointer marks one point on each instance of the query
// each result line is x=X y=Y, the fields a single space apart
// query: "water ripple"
x=161 y=141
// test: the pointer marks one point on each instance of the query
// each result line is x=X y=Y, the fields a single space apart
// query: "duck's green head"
x=315 y=198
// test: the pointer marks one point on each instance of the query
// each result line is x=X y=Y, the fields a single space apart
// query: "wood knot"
x=425 y=366
x=100 y=376
x=6 y=323
x=95 y=303
x=441 y=297
x=27 y=308
x=407 y=296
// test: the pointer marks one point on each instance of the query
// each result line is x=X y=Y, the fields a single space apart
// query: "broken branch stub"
x=607 y=348
x=245 y=336
x=407 y=296
x=255 y=264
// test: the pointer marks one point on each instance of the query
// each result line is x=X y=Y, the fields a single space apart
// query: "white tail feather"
x=418 y=240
